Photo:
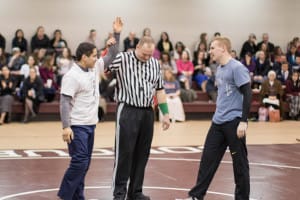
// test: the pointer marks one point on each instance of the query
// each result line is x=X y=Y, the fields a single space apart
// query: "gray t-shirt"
x=229 y=78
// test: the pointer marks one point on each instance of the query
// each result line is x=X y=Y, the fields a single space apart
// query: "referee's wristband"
x=164 y=108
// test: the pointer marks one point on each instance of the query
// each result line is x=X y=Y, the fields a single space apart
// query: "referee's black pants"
x=134 y=133
x=218 y=138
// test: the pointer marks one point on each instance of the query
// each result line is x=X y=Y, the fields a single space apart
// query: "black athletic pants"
x=217 y=140
x=134 y=132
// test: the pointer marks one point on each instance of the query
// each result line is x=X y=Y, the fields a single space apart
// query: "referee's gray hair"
x=146 y=40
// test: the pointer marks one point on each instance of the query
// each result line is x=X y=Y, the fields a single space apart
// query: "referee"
x=138 y=80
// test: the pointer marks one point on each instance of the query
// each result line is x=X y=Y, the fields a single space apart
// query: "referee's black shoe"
x=119 y=198
x=139 y=197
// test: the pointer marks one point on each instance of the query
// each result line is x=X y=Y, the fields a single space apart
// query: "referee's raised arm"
x=113 y=43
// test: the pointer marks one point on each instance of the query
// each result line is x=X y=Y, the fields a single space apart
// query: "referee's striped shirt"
x=137 y=81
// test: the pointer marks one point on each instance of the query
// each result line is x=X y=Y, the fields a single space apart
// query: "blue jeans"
x=80 y=150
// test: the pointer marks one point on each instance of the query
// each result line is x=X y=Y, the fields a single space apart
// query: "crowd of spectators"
x=32 y=71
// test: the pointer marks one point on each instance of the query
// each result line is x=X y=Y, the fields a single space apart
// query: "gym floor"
x=33 y=159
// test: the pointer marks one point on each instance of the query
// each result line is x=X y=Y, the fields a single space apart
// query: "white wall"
x=183 y=19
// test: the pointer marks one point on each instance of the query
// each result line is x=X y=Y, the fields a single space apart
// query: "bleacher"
x=201 y=105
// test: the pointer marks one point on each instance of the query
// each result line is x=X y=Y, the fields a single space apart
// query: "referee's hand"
x=166 y=122
x=118 y=25
x=110 y=42
x=67 y=135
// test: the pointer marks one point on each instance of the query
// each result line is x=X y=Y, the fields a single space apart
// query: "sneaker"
x=139 y=197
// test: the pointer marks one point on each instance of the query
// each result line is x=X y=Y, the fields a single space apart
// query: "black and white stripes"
x=136 y=80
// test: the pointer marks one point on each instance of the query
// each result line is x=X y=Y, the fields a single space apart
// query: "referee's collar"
x=134 y=55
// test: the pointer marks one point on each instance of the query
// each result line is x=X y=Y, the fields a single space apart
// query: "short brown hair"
x=224 y=41
x=146 y=40
x=84 y=48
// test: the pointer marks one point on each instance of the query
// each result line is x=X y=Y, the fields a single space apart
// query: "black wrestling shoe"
x=139 y=197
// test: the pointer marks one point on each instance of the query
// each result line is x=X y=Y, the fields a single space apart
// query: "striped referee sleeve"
x=116 y=63
x=160 y=82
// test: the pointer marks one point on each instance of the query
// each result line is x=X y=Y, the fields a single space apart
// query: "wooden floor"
x=47 y=135
x=33 y=159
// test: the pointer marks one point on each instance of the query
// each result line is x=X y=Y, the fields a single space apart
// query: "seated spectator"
x=291 y=55
x=48 y=77
x=284 y=74
x=296 y=67
x=216 y=35
x=260 y=72
x=249 y=46
x=276 y=65
x=264 y=48
x=234 y=54
x=211 y=85
x=40 y=40
x=156 y=54
x=172 y=89
x=2 y=42
x=185 y=69
x=164 y=44
x=202 y=48
x=203 y=41
x=107 y=86
x=213 y=65
x=33 y=95
x=179 y=48
x=39 y=56
x=277 y=52
x=271 y=92
x=295 y=41
x=92 y=38
x=7 y=89
x=3 y=59
x=293 y=95
x=20 y=41
x=107 y=90
x=25 y=69
x=147 y=32
x=15 y=63
x=249 y=62
x=269 y=47
x=16 y=60
x=109 y=36
x=130 y=42
x=57 y=42
x=199 y=67
x=166 y=62
x=64 y=62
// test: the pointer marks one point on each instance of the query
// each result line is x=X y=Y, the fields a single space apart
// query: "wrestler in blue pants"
x=80 y=150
